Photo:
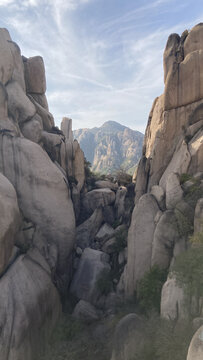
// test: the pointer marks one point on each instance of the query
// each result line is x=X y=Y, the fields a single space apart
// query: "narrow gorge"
x=76 y=245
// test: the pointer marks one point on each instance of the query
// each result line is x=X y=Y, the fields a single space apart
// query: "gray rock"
x=41 y=100
x=195 y=351
x=35 y=75
x=109 y=214
x=85 y=233
x=6 y=58
x=172 y=301
x=198 y=219
x=165 y=236
x=105 y=233
x=10 y=220
x=159 y=195
x=30 y=308
x=32 y=129
x=86 y=312
x=127 y=337
x=85 y=281
x=120 y=201
x=19 y=105
x=174 y=192
x=140 y=237
x=96 y=198
x=103 y=184
x=46 y=116
x=66 y=127
x=18 y=71
x=109 y=246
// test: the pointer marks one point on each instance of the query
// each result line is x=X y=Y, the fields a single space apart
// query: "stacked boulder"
x=37 y=219
x=101 y=251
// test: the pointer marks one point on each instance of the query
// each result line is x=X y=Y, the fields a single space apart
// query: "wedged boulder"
x=174 y=192
x=104 y=233
x=19 y=105
x=85 y=232
x=10 y=220
x=29 y=303
x=43 y=195
x=127 y=337
x=165 y=236
x=6 y=58
x=140 y=238
x=47 y=117
x=66 y=127
x=103 y=184
x=33 y=128
x=195 y=351
x=41 y=99
x=92 y=265
x=35 y=75
x=52 y=144
x=198 y=218
x=78 y=165
x=86 y=312
x=97 y=198
x=172 y=301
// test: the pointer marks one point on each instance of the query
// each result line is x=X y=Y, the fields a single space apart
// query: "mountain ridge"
x=111 y=146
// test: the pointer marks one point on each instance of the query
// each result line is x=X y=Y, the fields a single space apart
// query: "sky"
x=103 y=58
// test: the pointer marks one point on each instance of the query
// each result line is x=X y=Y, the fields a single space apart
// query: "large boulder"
x=43 y=195
x=195 y=351
x=172 y=301
x=97 y=198
x=194 y=40
x=6 y=58
x=127 y=337
x=86 y=312
x=104 y=233
x=174 y=192
x=35 y=75
x=140 y=238
x=85 y=232
x=93 y=264
x=30 y=308
x=9 y=220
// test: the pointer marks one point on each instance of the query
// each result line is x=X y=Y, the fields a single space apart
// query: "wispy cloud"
x=99 y=65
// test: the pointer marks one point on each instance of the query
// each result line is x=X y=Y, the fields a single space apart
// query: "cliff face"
x=37 y=219
x=110 y=147
x=173 y=146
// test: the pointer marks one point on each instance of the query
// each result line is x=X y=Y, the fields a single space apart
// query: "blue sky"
x=103 y=58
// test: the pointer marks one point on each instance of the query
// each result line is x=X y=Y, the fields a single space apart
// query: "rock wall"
x=37 y=222
x=173 y=147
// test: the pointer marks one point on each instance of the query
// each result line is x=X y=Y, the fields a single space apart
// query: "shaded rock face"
x=37 y=225
x=110 y=147
x=196 y=346
x=172 y=147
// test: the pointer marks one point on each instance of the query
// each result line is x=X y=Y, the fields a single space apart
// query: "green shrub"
x=184 y=177
x=149 y=289
x=185 y=226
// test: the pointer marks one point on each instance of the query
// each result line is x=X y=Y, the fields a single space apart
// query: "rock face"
x=172 y=152
x=110 y=147
x=196 y=346
x=37 y=223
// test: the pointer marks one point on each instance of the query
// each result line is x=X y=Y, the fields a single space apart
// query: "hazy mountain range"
x=110 y=147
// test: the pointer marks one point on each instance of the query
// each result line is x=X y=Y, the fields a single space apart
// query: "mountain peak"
x=113 y=125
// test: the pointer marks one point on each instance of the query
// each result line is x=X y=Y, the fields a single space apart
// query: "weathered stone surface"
x=19 y=105
x=172 y=301
x=142 y=178
x=29 y=302
x=33 y=128
x=165 y=236
x=35 y=75
x=104 y=233
x=3 y=103
x=102 y=184
x=9 y=220
x=109 y=214
x=170 y=53
x=109 y=246
x=159 y=195
x=41 y=100
x=91 y=267
x=66 y=127
x=196 y=152
x=6 y=58
x=86 y=312
x=127 y=337
x=120 y=201
x=195 y=351
x=47 y=117
x=43 y=195
x=174 y=192
x=85 y=232
x=198 y=218
x=52 y=144
x=18 y=71
x=140 y=237
x=179 y=163
x=78 y=165
x=194 y=40
x=96 y=198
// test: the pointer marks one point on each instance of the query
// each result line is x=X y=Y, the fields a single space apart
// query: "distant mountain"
x=110 y=147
